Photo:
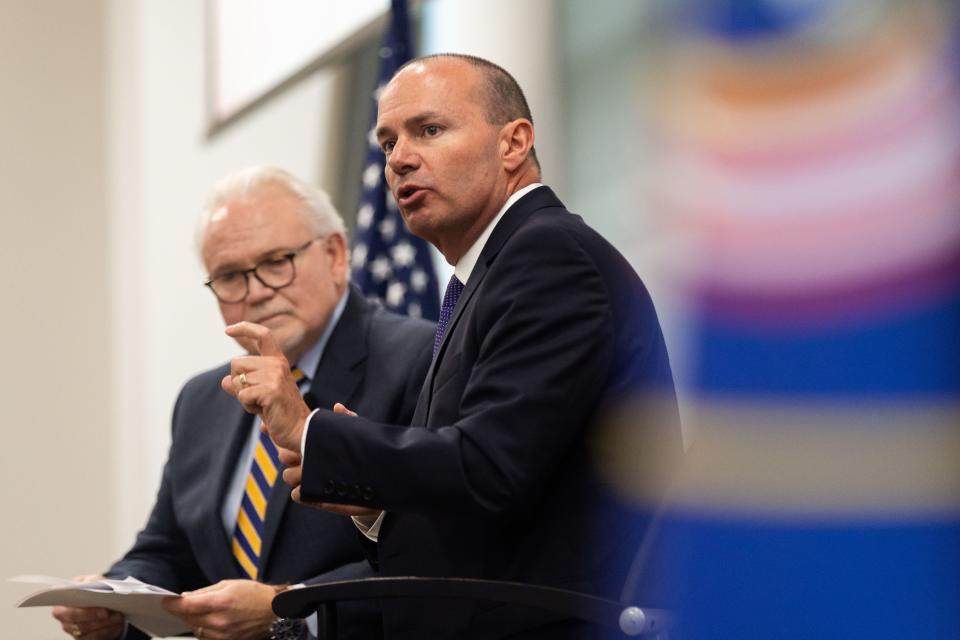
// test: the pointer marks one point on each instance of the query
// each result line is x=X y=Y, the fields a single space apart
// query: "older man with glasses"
x=223 y=527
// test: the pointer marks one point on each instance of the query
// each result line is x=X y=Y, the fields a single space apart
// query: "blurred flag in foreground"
x=390 y=264
x=808 y=161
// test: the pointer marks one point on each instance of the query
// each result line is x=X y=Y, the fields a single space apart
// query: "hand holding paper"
x=138 y=601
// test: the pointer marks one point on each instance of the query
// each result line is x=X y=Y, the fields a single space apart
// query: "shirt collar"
x=465 y=264
x=311 y=358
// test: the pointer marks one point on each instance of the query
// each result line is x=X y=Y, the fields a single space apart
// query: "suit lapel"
x=336 y=379
x=340 y=369
x=515 y=216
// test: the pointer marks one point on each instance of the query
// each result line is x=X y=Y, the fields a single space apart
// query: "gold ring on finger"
x=200 y=629
x=76 y=632
x=243 y=383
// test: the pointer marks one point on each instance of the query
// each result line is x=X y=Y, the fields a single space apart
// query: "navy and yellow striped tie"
x=253 y=508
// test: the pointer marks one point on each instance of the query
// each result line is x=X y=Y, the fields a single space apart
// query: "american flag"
x=390 y=264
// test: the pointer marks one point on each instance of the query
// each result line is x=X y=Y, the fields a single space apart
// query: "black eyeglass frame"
x=288 y=256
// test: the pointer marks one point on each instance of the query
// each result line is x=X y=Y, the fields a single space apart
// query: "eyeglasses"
x=276 y=273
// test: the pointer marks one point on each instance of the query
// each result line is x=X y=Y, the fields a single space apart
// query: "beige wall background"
x=57 y=459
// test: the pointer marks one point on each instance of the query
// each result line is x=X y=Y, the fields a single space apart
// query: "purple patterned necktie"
x=450 y=297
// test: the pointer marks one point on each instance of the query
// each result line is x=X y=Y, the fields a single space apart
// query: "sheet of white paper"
x=138 y=601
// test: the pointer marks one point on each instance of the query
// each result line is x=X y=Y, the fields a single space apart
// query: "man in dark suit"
x=548 y=331
x=275 y=250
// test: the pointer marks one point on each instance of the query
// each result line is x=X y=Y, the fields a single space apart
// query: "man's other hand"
x=227 y=610
x=293 y=476
x=90 y=623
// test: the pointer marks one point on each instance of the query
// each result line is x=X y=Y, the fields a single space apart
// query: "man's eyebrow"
x=413 y=121
x=226 y=268
x=234 y=265
x=421 y=117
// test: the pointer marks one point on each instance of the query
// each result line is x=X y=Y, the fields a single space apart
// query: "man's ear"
x=516 y=143
x=335 y=247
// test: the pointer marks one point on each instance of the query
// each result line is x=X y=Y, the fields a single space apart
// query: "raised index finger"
x=257 y=335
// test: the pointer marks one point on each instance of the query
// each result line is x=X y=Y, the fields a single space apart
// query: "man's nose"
x=403 y=158
x=256 y=290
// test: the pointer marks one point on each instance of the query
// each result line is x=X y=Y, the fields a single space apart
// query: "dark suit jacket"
x=374 y=362
x=494 y=479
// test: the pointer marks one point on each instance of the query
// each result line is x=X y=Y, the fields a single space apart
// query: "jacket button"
x=342 y=489
x=329 y=488
x=355 y=491
x=367 y=494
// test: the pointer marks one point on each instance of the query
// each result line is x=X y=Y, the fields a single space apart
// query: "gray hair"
x=317 y=208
